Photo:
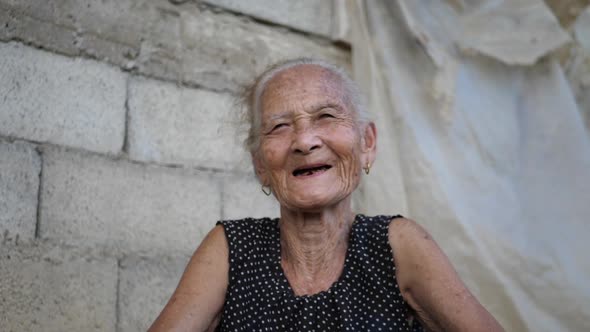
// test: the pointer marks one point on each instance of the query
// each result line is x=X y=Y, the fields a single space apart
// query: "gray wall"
x=117 y=146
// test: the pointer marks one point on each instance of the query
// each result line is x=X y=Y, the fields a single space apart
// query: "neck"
x=313 y=247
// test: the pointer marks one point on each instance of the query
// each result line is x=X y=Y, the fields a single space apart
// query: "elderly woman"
x=319 y=267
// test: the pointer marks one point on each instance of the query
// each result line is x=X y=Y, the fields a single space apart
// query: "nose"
x=305 y=141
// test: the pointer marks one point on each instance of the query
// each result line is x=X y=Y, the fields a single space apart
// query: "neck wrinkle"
x=313 y=248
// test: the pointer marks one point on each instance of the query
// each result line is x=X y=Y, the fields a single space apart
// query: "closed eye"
x=326 y=116
x=278 y=126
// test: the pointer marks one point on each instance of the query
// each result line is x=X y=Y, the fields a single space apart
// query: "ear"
x=369 y=143
x=260 y=169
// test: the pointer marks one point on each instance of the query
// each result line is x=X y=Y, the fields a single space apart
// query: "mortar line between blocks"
x=39 y=192
x=222 y=188
x=117 y=297
x=125 y=147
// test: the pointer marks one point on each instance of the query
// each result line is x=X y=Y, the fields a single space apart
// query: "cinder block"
x=89 y=200
x=222 y=51
x=48 y=288
x=174 y=125
x=140 y=34
x=16 y=26
x=243 y=197
x=123 y=21
x=313 y=16
x=144 y=288
x=19 y=186
x=184 y=43
x=52 y=98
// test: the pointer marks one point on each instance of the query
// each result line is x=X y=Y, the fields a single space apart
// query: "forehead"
x=303 y=86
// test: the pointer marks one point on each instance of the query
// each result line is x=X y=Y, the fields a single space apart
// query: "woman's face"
x=311 y=150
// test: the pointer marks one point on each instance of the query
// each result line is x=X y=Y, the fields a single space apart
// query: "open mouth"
x=310 y=170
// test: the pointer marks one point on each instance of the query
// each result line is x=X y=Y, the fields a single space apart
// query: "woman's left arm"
x=430 y=284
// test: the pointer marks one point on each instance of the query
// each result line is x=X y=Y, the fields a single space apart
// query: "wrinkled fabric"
x=577 y=67
x=482 y=141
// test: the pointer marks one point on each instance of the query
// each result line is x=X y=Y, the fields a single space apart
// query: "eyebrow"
x=321 y=106
x=315 y=109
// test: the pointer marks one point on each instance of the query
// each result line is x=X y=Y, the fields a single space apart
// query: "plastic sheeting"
x=481 y=141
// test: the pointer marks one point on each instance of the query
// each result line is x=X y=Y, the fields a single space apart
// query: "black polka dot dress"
x=365 y=297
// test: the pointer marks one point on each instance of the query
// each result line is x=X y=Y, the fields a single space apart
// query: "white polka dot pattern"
x=366 y=297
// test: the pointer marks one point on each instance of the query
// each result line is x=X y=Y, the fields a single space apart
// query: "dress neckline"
x=336 y=285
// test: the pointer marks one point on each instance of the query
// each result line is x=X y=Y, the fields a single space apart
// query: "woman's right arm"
x=198 y=300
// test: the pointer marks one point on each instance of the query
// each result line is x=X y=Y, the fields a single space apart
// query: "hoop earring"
x=267 y=192
x=367 y=168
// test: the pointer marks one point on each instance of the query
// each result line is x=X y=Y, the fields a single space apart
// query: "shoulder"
x=416 y=254
x=430 y=284
x=200 y=294
x=216 y=238
x=410 y=242
x=213 y=248
x=407 y=231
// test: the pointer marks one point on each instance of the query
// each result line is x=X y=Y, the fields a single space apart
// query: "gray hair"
x=251 y=96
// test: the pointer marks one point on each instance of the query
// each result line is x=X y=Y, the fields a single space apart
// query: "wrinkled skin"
x=306 y=120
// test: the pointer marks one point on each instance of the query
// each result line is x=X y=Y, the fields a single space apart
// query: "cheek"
x=273 y=155
x=270 y=155
x=347 y=146
x=349 y=150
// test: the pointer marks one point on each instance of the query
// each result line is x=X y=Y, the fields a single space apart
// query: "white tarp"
x=481 y=141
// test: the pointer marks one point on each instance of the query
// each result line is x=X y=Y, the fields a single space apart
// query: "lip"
x=326 y=167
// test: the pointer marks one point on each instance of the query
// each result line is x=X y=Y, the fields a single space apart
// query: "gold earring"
x=367 y=168
x=268 y=191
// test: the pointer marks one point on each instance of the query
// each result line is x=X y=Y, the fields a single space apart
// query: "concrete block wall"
x=118 y=150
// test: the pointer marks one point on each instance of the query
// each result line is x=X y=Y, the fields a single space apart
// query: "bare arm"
x=197 y=301
x=431 y=286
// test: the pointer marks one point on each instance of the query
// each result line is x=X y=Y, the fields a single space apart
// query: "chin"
x=313 y=203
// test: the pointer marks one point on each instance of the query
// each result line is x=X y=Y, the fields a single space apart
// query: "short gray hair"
x=250 y=99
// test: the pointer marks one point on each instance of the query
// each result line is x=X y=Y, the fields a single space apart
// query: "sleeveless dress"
x=366 y=296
